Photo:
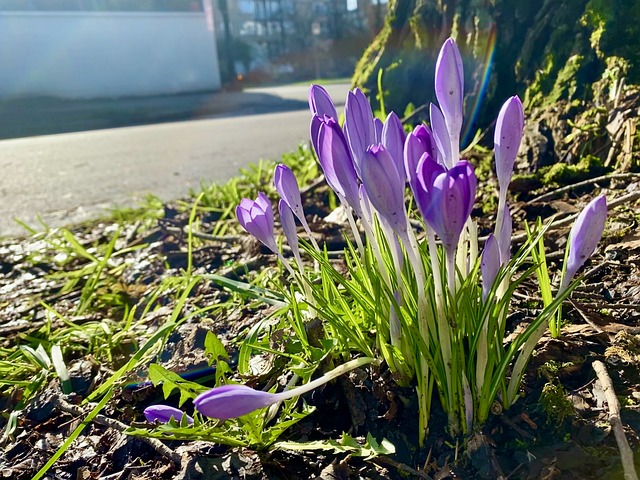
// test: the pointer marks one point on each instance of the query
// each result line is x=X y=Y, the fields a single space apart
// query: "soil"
x=559 y=429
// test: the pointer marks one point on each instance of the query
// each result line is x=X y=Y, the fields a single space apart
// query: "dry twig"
x=626 y=454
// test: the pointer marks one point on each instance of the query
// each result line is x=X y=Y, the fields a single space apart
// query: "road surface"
x=71 y=177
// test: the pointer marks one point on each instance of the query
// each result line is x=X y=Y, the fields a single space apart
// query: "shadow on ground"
x=30 y=116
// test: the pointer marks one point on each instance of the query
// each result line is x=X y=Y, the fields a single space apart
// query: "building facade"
x=106 y=48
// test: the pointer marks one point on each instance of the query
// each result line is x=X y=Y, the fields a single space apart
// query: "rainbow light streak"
x=484 y=68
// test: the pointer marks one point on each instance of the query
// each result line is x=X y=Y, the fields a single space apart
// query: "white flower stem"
x=327 y=377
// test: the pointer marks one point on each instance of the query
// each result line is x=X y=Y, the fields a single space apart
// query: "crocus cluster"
x=430 y=333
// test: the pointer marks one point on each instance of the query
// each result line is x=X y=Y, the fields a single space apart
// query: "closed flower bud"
x=393 y=140
x=256 y=217
x=507 y=137
x=584 y=237
x=384 y=186
x=320 y=102
x=449 y=82
x=164 y=413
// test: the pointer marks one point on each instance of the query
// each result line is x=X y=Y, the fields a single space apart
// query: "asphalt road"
x=71 y=177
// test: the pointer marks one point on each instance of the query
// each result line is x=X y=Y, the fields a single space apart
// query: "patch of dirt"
x=568 y=439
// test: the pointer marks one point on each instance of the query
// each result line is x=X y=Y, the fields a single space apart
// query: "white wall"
x=106 y=54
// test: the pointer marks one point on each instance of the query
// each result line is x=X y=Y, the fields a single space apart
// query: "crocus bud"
x=164 y=413
x=231 y=401
x=449 y=82
x=256 y=217
x=440 y=136
x=289 y=227
x=384 y=186
x=337 y=163
x=507 y=137
x=584 y=237
x=320 y=102
x=358 y=125
x=393 y=140
x=446 y=198
x=287 y=186
x=489 y=264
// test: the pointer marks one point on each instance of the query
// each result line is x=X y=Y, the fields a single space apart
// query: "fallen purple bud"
x=164 y=413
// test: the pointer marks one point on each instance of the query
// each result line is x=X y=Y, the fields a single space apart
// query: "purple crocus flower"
x=446 y=198
x=256 y=217
x=231 y=401
x=440 y=136
x=164 y=413
x=449 y=83
x=337 y=163
x=584 y=237
x=507 y=137
x=393 y=138
x=320 y=102
x=287 y=186
x=489 y=264
x=359 y=127
x=384 y=186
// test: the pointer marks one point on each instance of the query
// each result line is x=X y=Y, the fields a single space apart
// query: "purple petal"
x=489 y=264
x=287 y=186
x=384 y=186
x=393 y=140
x=428 y=171
x=414 y=149
x=314 y=128
x=256 y=217
x=507 y=137
x=231 y=401
x=450 y=85
x=425 y=135
x=440 y=136
x=358 y=125
x=449 y=198
x=377 y=126
x=320 y=102
x=585 y=235
x=164 y=413
x=337 y=164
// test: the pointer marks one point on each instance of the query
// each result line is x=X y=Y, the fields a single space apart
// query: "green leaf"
x=214 y=348
x=172 y=381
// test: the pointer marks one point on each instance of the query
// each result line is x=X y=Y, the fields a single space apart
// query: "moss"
x=563 y=174
x=555 y=403
x=525 y=182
